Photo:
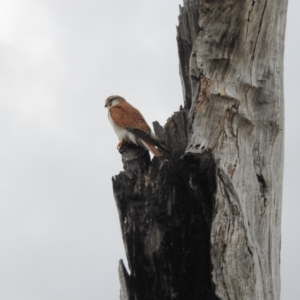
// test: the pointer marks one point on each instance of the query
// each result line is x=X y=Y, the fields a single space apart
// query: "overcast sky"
x=59 y=60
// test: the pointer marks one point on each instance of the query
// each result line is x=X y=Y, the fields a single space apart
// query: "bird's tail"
x=156 y=146
x=158 y=153
x=160 y=146
x=152 y=143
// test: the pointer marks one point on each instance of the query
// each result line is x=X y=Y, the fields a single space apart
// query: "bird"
x=131 y=127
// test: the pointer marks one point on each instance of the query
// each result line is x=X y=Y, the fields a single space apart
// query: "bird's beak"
x=105 y=105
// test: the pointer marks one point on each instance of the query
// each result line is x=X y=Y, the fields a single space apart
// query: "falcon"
x=131 y=127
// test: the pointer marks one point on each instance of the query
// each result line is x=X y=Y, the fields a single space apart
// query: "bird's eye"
x=113 y=102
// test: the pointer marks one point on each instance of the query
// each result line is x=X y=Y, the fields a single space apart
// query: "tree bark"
x=206 y=224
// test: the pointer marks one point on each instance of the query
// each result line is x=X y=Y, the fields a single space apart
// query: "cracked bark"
x=206 y=224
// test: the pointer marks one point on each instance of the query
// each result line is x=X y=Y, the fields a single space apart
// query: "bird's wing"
x=128 y=117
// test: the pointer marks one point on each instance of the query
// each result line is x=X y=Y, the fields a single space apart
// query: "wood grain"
x=206 y=224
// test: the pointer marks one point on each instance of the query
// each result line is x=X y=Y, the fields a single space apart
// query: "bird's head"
x=113 y=100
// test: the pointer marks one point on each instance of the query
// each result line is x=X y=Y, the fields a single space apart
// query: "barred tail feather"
x=151 y=142
x=152 y=148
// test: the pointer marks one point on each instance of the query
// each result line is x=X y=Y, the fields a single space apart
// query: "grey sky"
x=59 y=60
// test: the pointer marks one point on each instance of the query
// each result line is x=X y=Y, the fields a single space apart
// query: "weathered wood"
x=165 y=214
x=124 y=282
x=236 y=69
x=187 y=32
x=206 y=223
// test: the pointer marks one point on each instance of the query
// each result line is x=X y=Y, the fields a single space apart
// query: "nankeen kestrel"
x=131 y=127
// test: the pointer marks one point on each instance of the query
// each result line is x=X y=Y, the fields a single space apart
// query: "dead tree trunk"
x=206 y=224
